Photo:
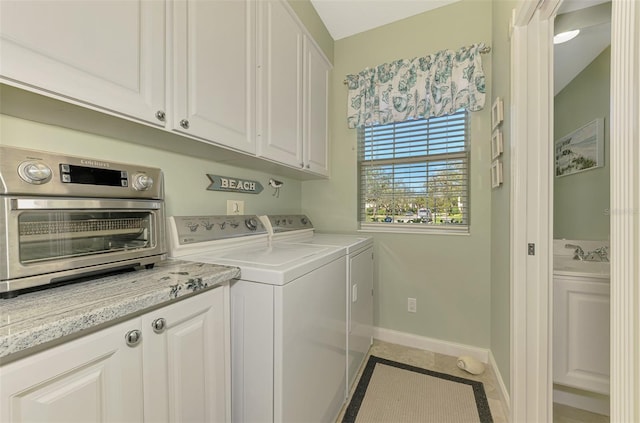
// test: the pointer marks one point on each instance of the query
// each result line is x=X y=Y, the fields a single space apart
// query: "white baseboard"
x=447 y=348
x=584 y=400
x=506 y=401
x=430 y=344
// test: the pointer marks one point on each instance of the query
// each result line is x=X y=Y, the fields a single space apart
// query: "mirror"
x=581 y=121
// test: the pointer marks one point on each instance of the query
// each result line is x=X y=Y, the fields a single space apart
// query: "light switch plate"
x=235 y=207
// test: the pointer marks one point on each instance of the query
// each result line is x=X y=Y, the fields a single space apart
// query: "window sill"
x=417 y=229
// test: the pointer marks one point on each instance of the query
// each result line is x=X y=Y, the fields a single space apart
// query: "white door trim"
x=625 y=211
x=531 y=211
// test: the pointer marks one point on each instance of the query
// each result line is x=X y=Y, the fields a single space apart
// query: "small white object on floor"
x=470 y=364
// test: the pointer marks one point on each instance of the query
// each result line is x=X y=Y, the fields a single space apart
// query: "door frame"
x=532 y=210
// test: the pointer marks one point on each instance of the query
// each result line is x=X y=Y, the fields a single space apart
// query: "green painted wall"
x=580 y=200
x=500 y=198
x=448 y=274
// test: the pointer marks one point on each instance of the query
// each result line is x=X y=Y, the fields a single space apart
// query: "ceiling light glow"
x=563 y=37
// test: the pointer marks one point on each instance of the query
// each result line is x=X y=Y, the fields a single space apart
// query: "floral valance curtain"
x=433 y=85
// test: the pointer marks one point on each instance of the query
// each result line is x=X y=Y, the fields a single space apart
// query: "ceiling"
x=344 y=18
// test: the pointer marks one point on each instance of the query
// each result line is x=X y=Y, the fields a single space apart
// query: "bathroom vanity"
x=581 y=319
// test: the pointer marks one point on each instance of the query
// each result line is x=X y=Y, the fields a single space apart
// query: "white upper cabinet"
x=316 y=108
x=214 y=71
x=293 y=91
x=280 y=61
x=102 y=53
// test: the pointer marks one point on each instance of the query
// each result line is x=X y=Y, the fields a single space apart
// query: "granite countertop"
x=33 y=319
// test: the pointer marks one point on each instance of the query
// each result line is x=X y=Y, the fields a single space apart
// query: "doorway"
x=531 y=228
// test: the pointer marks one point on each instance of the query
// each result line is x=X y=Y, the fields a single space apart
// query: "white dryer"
x=288 y=319
x=298 y=229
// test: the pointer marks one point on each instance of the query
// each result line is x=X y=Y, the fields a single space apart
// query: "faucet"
x=578 y=253
x=599 y=254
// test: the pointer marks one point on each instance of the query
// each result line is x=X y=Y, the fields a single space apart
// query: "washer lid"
x=275 y=265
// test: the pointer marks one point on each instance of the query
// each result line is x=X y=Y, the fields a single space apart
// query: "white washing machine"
x=288 y=319
x=298 y=229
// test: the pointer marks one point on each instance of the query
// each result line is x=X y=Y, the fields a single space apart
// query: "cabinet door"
x=581 y=333
x=94 y=378
x=280 y=60
x=360 y=310
x=108 y=54
x=316 y=103
x=186 y=362
x=214 y=71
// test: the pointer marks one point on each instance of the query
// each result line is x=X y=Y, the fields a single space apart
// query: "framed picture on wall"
x=496 y=173
x=497 y=113
x=497 y=145
x=580 y=150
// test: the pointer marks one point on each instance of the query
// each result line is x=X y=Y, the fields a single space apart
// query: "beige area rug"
x=389 y=391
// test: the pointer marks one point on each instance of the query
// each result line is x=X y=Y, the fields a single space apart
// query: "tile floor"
x=448 y=364
x=439 y=363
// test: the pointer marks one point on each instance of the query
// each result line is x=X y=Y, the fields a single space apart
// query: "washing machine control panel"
x=193 y=229
x=288 y=222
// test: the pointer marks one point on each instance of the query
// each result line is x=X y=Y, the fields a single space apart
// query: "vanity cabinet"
x=102 y=54
x=144 y=369
x=214 y=71
x=293 y=75
x=581 y=332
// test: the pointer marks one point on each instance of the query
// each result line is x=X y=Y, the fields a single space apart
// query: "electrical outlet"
x=412 y=305
x=235 y=207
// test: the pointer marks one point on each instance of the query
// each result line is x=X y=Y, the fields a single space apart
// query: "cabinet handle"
x=159 y=325
x=133 y=337
x=184 y=123
x=160 y=115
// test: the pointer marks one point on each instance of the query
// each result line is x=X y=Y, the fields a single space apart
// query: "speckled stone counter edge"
x=36 y=318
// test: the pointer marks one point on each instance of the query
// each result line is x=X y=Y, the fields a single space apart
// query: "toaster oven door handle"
x=80 y=204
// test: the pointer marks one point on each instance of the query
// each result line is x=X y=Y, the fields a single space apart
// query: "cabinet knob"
x=308 y=166
x=133 y=337
x=160 y=115
x=184 y=123
x=159 y=325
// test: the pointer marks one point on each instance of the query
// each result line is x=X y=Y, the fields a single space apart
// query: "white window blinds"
x=415 y=173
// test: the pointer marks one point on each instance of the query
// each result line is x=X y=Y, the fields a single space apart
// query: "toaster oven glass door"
x=56 y=234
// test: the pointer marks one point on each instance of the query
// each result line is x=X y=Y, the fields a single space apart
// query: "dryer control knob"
x=304 y=221
x=142 y=182
x=252 y=224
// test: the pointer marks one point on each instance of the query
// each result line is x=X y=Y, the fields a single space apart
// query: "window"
x=414 y=175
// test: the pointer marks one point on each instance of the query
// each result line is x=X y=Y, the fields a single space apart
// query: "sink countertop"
x=41 y=317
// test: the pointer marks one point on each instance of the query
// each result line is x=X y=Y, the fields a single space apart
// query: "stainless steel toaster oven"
x=63 y=218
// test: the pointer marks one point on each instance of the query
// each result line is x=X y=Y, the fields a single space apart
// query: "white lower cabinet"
x=177 y=370
x=581 y=333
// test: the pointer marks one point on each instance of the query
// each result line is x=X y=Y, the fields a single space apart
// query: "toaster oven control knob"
x=142 y=182
x=252 y=224
x=35 y=172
